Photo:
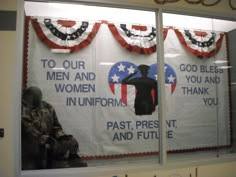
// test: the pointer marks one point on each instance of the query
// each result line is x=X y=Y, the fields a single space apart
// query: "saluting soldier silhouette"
x=144 y=103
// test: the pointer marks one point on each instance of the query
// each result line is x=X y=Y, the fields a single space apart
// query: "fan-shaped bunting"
x=65 y=34
x=200 y=43
x=136 y=38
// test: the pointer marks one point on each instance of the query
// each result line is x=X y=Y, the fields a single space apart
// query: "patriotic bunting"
x=135 y=38
x=69 y=36
x=200 y=43
x=65 y=34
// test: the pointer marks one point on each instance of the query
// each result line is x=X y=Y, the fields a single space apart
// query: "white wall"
x=8 y=40
x=8 y=58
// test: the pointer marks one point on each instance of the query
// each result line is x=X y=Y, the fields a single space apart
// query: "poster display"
x=101 y=78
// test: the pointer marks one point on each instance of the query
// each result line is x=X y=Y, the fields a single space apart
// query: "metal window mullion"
x=16 y=85
x=161 y=89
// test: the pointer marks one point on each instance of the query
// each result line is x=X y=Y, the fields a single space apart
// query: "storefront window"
x=199 y=94
x=97 y=75
x=91 y=84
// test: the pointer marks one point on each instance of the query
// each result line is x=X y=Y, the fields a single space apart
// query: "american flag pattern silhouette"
x=123 y=69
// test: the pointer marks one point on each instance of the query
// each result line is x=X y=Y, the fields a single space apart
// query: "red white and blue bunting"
x=200 y=43
x=65 y=35
x=69 y=36
x=136 y=38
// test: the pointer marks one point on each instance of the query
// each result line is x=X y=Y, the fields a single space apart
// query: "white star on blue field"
x=122 y=69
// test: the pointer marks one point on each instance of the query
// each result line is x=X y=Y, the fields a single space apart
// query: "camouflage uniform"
x=43 y=138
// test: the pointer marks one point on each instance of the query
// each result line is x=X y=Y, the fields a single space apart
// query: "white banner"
x=97 y=96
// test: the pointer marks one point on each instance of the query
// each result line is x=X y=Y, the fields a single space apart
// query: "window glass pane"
x=230 y=27
x=97 y=76
x=198 y=86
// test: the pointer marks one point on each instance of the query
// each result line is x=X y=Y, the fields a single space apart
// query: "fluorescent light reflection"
x=225 y=67
x=58 y=68
x=170 y=55
x=106 y=63
x=220 y=61
x=233 y=83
